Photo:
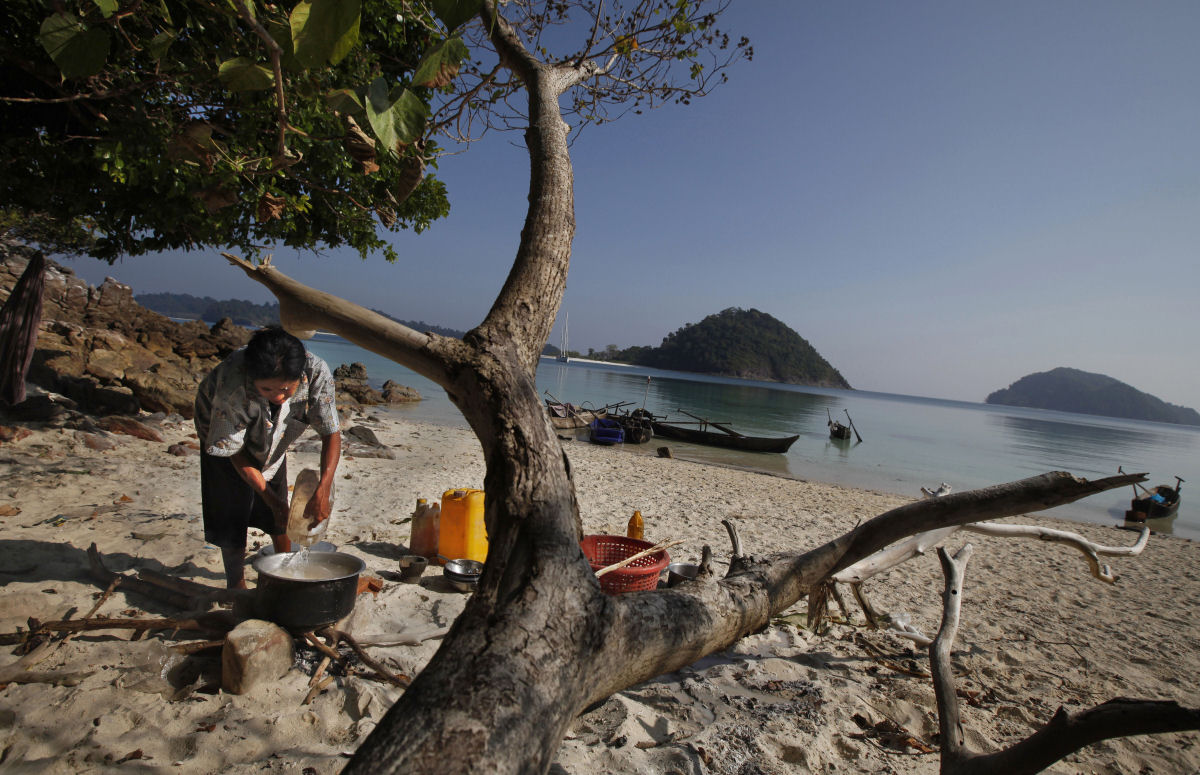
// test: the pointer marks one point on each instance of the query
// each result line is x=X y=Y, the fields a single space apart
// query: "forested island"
x=1072 y=390
x=745 y=344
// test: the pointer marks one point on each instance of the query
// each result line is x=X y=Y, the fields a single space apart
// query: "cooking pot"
x=306 y=593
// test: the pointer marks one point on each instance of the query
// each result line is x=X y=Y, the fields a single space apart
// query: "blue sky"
x=942 y=197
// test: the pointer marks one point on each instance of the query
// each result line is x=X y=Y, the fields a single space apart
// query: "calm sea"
x=907 y=442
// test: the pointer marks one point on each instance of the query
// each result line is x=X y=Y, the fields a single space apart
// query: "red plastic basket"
x=603 y=550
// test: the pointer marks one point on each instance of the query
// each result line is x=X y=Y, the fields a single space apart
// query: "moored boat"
x=564 y=416
x=1158 y=503
x=604 y=430
x=836 y=429
x=724 y=436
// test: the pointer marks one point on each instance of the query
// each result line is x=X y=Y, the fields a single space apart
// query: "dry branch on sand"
x=1064 y=734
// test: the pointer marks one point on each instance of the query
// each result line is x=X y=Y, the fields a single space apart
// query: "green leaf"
x=410 y=113
x=324 y=31
x=107 y=7
x=77 y=50
x=455 y=13
x=345 y=101
x=161 y=42
x=244 y=74
x=379 y=114
x=441 y=64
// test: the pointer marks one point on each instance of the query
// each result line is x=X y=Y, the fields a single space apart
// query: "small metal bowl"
x=463 y=575
x=462 y=586
x=465 y=568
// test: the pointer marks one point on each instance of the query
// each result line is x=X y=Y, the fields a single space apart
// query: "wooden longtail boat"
x=836 y=429
x=564 y=416
x=723 y=437
x=1159 y=503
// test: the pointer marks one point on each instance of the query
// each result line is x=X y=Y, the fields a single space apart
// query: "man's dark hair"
x=274 y=354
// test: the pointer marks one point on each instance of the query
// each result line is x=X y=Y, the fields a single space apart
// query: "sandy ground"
x=1038 y=631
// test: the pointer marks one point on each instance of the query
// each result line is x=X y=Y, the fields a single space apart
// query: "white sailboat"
x=562 y=350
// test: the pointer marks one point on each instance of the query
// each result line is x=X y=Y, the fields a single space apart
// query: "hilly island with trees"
x=1071 y=390
x=745 y=344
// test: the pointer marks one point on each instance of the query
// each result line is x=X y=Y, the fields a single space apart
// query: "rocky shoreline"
x=101 y=353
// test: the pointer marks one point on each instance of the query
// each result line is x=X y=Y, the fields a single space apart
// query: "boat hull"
x=568 y=417
x=726 y=440
x=1159 y=503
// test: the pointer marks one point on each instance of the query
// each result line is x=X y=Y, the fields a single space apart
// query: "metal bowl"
x=462 y=586
x=466 y=569
x=463 y=575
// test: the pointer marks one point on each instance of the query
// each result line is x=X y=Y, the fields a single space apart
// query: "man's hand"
x=319 y=507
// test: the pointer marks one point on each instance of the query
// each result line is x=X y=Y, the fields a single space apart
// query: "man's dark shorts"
x=230 y=506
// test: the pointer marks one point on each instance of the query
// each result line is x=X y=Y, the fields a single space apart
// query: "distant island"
x=1072 y=390
x=745 y=344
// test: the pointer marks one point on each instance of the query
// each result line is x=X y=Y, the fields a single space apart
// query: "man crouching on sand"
x=249 y=410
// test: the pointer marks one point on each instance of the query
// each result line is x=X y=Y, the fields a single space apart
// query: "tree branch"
x=276 y=55
x=744 y=602
x=1091 y=550
x=949 y=721
x=1064 y=734
x=919 y=544
x=303 y=310
x=1068 y=732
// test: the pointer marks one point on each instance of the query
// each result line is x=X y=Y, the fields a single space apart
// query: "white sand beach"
x=1038 y=630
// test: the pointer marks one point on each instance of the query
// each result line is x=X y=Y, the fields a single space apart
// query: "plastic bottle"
x=637 y=527
x=463 y=534
x=425 y=523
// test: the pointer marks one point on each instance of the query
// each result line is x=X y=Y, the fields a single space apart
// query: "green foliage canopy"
x=161 y=124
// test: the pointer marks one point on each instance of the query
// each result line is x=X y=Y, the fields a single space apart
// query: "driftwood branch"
x=1035 y=493
x=388 y=676
x=734 y=539
x=215 y=622
x=919 y=545
x=949 y=721
x=894 y=555
x=1064 y=734
x=1092 y=551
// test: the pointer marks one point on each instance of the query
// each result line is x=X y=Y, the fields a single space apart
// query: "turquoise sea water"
x=908 y=442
